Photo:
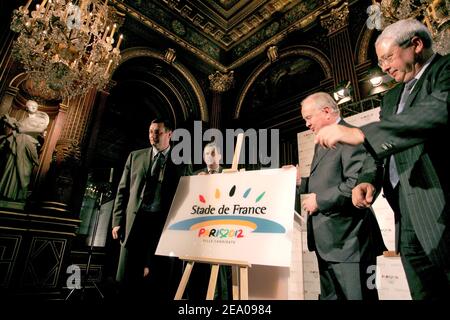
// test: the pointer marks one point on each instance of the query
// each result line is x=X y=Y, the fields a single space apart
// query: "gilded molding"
x=209 y=28
x=304 y=22
x=272 y=54
x=362 y=46
x=336 y=19
x=295 y=51
x=221 y=82
x=229 y=32
x=170 y=55
x=166 y=33
x=68 y=150
x=136 y=52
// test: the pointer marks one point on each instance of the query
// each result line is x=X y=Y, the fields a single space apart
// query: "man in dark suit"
x=143 y=200
x=345 y=239
x=409 y=138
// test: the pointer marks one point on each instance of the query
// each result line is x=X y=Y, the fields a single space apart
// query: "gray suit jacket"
x=417 y=137
x=339 y=232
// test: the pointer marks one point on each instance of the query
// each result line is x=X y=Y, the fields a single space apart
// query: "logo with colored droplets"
x=233 y=221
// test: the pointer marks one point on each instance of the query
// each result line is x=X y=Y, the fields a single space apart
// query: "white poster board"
x=245 y=216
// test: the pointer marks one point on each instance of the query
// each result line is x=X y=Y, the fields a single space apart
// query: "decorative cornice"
x=304 y=22
x=228 y=32
x=336 y=19
x=306 y=51
x=136 y=52
x=221 y=82
x=362 y=45
x=299 y=24
x=68 y=150
x=170 y=55
x=166 y=33
x=272 y=54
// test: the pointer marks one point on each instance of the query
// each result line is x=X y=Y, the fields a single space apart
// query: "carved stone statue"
x=18 y=156
x=37 y=121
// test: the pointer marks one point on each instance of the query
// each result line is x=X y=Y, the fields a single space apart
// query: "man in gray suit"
x=143 y=200
x=409 y=138
x=345 y=239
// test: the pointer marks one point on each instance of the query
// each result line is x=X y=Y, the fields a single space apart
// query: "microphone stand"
x=103 y=190
x=91 y=248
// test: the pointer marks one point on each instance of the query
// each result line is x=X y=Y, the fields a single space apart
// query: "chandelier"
x=67 y=47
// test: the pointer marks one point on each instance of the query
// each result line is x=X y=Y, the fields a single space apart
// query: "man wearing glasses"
x=409 y=139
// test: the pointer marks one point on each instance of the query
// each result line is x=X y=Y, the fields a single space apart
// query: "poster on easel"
x=246 y=216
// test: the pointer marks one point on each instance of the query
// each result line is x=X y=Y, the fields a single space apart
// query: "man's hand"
x=310 y=203
x=362 y=195
x=146 y=271
x=115 y=232
x=330 y=135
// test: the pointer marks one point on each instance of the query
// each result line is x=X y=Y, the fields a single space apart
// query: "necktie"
x=393 y=172
x=211 y=171
x=151 y=199
x=157 y=164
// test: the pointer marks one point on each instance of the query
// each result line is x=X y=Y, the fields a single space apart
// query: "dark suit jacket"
x=339 y=232
x=417 y=138
x=131 y=188
x=130 y=193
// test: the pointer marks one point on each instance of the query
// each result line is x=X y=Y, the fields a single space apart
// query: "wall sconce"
x=343 y=92
x=378 y=80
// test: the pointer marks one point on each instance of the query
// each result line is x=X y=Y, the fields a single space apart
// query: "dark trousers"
x=347 y=280
x=425 y=280
x=165 y=272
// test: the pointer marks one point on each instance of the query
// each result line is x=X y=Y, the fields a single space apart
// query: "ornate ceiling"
x=225 y=33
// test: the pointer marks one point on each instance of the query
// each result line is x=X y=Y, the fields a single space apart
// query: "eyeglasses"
x=390 y=57
x=387 y=60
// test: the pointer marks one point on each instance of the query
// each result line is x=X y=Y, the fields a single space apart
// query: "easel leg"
x=235 y=282
x=243 y=281
x=184 y=280
x=212 y=282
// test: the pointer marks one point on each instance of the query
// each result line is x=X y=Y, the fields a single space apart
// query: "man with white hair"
x=409 y=139
x=346 y=240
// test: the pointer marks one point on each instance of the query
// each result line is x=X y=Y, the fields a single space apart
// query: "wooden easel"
x=239 y=268
x=239 y=277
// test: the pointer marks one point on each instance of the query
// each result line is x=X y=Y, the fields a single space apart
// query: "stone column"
x=219 y=83
x=97 y=118
x=64 y=179
x=336 y=22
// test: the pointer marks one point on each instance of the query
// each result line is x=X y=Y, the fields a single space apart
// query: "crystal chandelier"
x=67 y=47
